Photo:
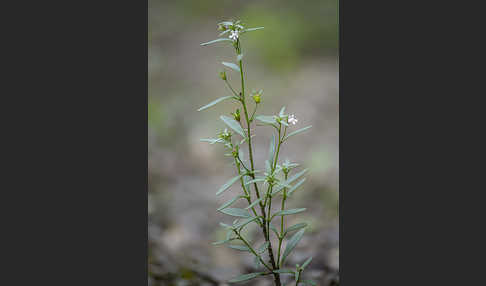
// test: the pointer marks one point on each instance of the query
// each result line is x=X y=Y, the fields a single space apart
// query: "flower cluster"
x=233 y=28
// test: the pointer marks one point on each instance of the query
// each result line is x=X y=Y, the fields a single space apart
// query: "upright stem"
x=280 y=238
x=262 y=208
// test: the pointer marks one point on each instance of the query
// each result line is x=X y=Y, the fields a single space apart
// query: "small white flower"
x=292 y=119
x=234 y=35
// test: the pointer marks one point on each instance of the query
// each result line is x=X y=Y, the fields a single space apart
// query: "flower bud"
x=257 y=98
x=222 y=75
x=236 y=115
x=221 y=27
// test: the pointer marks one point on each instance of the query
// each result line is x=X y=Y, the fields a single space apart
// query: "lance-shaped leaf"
x=281 y=113
x=245 y=277
x=256 y=261
x=271 y=150
x=297 y=276
x=212 y=140
x=296 y=132
x=291 y=244
x=239 y=247
x=277 y=190
x=296 y=227
x=284 y=271
x=233 y=124
x=268 y=119
x=223 y=241
x=274 y=230
x=229 y=203
x=253 y=29
x=226 y=23
x=232 y=66
x=226 y=225
x=217 y=40
x=291 y=190
x=263 y=247
x=254 y=203
x=224 y=32
x=261 y=179
x=214 y=102
x=296 y=176
x=236 y=212
x=228 y=184
x=268 y=167
x=245 y=222
x=307 y=262
x=289 y=212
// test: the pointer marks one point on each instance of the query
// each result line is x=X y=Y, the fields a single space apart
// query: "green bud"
x=221 y=27
x=236 y=115
x=222 y=75
x=257 y=98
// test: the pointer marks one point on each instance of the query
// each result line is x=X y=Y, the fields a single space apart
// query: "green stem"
x=247 y=194
x=262 y=208
x=280 y=237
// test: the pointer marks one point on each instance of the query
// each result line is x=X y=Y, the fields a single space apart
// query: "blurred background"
x=295 y=61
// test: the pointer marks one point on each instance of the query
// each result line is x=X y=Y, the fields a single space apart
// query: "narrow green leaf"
x=297 y=275
x=263 y=247
x=296 y=227
x=239 y=57
x=276 y=191
x=309 y=282
x=236 y=212
x=253 y=29
x=291 y=190
x=307 y=262
x=289 y=212
x=229 y=203
x=224 y=32
x=225 y=225
x=284 y=185
x=244 y=222
x=233 y=124
x=255 y=181
x=214 y=102
x=291 y=244
x=226 y=23
x=220 y=242
x=274 y=230
x=296 y=176
x=268 y=167
x=268 y=119
x=212 y=140
x=228 y=184
x=284 y=271
x=257 y=262
x=239 y=247
x=245 y=277
x=254 y=203
x=281 y=113
x=217 y=40
x=296 y=132
x=223 y=241
x=271 y=150
x=232 y=66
